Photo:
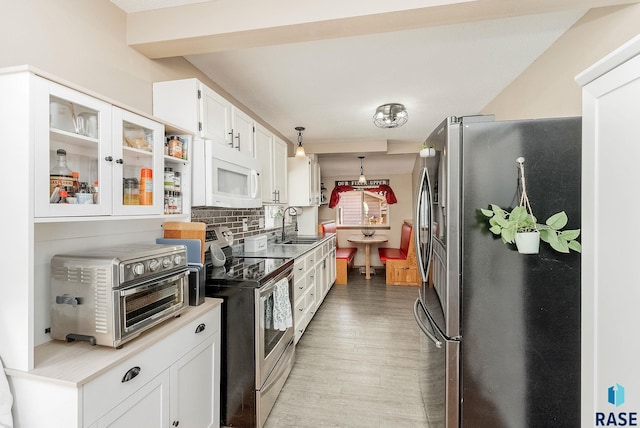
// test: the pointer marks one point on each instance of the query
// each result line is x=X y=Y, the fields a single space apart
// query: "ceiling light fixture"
x=300 y=150
x=390 y=116
x=362 y=179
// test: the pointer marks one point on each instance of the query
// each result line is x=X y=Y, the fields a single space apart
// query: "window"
x=361 y=207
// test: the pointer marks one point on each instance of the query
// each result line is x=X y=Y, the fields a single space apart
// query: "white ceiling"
x=332 y=86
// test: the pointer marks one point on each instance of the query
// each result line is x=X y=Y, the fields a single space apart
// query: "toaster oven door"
x=144 y=305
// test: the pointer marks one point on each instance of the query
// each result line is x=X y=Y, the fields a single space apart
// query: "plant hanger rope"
x=524 y=199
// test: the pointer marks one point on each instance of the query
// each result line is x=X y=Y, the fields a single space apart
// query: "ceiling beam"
x=227 y=24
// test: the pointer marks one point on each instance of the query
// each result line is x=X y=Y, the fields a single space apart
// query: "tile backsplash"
x=233 y=217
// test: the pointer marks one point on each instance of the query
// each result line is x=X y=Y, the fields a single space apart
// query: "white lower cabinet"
x=192 y=400
x=174 y=380
x=313 y=278
x=146 y=407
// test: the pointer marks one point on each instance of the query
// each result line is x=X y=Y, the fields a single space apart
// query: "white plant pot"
x=429 y=152
x=528 y=242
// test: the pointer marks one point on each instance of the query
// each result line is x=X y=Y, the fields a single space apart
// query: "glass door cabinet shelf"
x=104 y=145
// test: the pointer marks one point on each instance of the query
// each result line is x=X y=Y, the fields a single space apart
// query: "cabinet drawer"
x=299 y=288
x=108 y=390
x=300 y=310
x=299 y=268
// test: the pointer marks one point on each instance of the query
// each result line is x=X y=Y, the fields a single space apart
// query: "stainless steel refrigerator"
x=501 y=343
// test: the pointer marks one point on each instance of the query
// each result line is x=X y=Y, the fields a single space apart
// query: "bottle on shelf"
x=130 y=191
x=63 y=197
x=146 y=186
x=60 y=175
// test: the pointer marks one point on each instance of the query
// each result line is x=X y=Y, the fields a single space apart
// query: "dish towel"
x=6 y=400
x=282 y=318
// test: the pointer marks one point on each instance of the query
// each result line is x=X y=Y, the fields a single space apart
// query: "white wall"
x=547 y=88
x=85 y=42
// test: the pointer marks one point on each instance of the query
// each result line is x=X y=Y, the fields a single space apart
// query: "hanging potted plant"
x=427 y=151
x=521 y=227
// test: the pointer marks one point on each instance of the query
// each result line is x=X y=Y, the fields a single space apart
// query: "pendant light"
x=362 y=179
x=300 y=150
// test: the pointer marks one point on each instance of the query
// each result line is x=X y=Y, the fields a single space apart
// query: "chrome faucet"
x=294 y=216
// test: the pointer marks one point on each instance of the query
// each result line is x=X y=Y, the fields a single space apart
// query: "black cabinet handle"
x=131 y=373
x=175 y=423
x=108 y=158
x=200 y=328
x=120 y=161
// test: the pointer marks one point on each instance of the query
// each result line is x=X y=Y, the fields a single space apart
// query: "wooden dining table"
x=367 y=241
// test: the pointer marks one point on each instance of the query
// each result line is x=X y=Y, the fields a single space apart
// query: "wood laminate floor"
x=357 y=363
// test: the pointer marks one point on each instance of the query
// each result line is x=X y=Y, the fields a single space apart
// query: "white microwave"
x=224 y=177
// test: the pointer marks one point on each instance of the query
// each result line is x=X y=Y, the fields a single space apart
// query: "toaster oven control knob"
x=177 y=259
x=154 y=265
x=138 y=269
x=166 y=262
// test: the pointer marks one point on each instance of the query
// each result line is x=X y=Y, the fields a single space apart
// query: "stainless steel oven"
x=257 y=340
x=110 y=295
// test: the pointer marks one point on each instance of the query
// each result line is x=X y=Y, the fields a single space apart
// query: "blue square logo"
x=615 y=395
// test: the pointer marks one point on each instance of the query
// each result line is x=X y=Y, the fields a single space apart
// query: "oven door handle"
x=152 y=284
x=269 y=286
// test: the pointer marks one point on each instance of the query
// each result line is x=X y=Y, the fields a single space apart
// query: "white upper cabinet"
x=280 y=176
x=190 y=104
x=272 y=154
x=242 y=131
x=304 y=181
x=111 y=156
x=214 y=114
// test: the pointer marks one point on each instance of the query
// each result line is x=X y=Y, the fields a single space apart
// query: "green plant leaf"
x=498 y=211
x=500 y=221
x=486 y=212
x=570 y=235
x=547 y=235
x=509 y=234
x=560 y=245
x=558 y=220
x=575 y=246
x=519 y=214
x=495 y=230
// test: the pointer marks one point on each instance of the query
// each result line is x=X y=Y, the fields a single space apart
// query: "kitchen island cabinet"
x=167 y=376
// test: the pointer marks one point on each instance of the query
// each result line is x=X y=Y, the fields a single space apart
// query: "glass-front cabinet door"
x=92 y=158
x=72 y=152
x=138 y=144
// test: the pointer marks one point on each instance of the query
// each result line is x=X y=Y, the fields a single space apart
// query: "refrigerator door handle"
x=424 y=179
x=423 y=327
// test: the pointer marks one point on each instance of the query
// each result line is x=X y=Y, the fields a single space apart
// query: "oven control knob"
x=138 y=269
x=154 y=265
x=177 y=259
x=166 y=262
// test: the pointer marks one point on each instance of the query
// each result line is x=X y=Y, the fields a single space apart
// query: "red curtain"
x=335 y=193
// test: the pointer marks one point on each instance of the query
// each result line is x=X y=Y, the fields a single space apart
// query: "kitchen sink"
x=300 y=241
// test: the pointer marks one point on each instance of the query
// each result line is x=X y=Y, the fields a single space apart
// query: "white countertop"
x=285 y=250
x=76 y=363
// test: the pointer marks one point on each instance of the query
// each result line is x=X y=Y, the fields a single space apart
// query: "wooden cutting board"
x=187 y=230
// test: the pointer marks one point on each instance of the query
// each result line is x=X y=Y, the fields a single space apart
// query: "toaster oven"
x=110 y=295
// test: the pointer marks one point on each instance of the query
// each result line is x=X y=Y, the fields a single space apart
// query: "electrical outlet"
x=261 y=223
x=245 y=226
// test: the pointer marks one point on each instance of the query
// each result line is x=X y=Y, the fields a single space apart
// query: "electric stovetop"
x=254 y=271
